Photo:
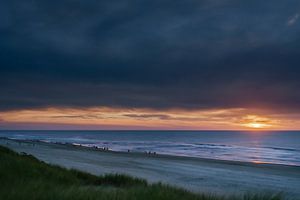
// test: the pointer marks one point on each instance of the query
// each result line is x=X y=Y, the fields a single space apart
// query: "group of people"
x=129 y=151
x=146 y=152
x=102 y=148
x=150 y=153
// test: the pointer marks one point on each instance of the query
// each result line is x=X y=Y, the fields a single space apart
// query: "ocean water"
x=279 y=147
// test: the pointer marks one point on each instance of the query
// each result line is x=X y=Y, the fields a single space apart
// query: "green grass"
x=25 y=177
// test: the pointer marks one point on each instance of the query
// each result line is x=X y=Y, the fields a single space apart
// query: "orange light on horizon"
x=99 y=117
x=257 y=122
x=257 y=125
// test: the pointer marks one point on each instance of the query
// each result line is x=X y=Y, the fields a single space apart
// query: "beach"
x=194 y=174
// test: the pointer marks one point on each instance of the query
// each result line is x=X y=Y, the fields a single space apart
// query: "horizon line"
x=150 y=130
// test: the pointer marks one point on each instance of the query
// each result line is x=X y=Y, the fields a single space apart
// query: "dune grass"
x=25 y=177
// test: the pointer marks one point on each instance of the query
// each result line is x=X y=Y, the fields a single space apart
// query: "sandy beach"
x=198 y=175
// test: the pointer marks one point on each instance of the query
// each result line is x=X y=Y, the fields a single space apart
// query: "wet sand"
x=197 y=175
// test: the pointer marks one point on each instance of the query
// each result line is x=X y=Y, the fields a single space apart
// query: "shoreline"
x=194 y=174
x=157 y=155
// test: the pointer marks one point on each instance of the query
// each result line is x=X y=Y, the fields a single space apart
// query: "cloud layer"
x=205 y=54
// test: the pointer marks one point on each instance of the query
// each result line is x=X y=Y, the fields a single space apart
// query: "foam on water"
x=261 y=147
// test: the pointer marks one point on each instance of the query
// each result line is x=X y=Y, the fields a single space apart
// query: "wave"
x=233 y=147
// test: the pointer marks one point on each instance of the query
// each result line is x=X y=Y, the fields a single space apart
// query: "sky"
x=152 y=64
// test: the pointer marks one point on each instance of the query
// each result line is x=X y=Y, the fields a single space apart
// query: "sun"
x=256 y=125
x=256 y=122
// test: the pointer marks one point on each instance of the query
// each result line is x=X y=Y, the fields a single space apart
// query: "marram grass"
x=25 y=177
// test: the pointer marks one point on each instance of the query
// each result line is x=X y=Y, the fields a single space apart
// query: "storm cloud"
x=194 y=54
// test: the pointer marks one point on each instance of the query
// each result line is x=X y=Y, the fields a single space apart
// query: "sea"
x=277 y=147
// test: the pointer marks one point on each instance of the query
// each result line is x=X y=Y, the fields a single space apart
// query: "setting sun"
x=257 y=122
x=257 y=125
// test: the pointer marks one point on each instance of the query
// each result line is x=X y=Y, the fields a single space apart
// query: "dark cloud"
x=152 y=54
x=90 y=116
x=162 y=117
x=149 y=116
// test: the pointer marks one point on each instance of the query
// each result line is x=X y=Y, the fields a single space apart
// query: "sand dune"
x=198 y=175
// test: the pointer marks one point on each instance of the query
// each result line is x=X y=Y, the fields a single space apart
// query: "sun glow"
x=257 y=122
x=257 y=125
